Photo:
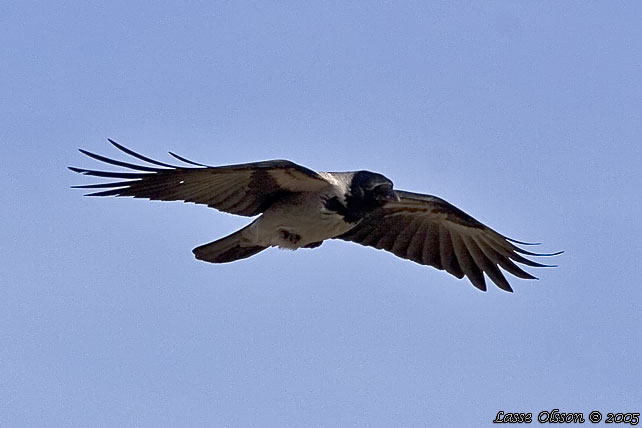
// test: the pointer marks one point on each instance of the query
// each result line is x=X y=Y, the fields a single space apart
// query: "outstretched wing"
x=244 y=189
x=430 y=231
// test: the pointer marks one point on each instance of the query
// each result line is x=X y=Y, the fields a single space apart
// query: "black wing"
x=244 y=189
x=430 y=231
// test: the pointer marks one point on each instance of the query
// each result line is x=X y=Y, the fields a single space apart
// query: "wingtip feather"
x=515 y=241
x=182 y=159
x=132 y=153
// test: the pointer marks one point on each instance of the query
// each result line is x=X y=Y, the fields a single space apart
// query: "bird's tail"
x=227 y=249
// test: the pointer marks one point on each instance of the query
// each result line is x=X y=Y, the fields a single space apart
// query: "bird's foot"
x=290 y=237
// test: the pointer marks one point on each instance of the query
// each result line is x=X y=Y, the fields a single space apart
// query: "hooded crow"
x=300 y=208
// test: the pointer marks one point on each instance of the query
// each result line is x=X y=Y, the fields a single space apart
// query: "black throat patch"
x=334 y=204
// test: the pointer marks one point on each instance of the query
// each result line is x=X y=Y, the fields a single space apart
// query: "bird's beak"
x=389 y=196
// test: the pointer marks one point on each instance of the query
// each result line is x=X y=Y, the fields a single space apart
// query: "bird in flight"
x=300 y=208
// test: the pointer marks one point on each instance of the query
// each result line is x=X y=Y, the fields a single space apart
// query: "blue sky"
x=527 y=115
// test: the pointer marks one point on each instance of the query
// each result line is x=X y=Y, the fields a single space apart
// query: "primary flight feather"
x=300 y=208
